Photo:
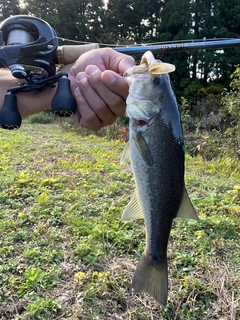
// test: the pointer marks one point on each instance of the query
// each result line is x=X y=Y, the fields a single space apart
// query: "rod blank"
x=180 y=47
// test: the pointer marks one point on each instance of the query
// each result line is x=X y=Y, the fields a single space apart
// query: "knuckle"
x=92 y=123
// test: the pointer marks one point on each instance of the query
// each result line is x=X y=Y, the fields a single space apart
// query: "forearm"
x=28 y=102
x=96 y=83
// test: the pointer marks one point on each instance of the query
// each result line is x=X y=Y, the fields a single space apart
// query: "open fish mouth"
x=147 y=65
x=156 y=66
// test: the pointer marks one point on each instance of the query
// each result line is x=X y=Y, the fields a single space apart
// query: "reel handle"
x=10 y=117
x=63 y=103
x=69 y=54
x=29 y=48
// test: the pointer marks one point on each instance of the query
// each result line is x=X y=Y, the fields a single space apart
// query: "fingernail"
x=77 y=92
x=80 y=76
x=90 y=70
x=109 y=78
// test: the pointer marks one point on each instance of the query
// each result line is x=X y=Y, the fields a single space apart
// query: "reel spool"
x=28 y=48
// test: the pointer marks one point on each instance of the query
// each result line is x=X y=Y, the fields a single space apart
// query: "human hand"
x=99 y=89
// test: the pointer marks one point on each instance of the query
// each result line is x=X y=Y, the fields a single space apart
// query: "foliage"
x=81 y=19
x=42 y=117
x=231 y=101
x=140 y=21
x=134 y=20
x=65 y=254
x=200 y=20
x=8 y=8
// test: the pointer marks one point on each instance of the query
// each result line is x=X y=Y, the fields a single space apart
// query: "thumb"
x=125 y=63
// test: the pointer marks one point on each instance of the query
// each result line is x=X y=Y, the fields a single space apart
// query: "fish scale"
x=164 y=181
x=156 y=151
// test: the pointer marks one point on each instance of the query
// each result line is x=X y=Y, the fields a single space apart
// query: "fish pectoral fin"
x=186 y=209
x=133 y=210
x=151 y=279
x=125 y=153
x=143 y=149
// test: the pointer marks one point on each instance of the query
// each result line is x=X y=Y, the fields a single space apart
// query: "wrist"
x=35 y=102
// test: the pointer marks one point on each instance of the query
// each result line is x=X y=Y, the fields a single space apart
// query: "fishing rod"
x=68 y=54
x=180 y=47
x=29 y=48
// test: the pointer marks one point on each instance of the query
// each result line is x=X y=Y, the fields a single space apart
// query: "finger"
x=116 y=61
x=115 y=83
x=113 y=103
x=125 y=63
x=85 y=116
x=93 y=100
x=119 y=86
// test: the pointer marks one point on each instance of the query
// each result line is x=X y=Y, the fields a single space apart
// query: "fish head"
x=146 y=88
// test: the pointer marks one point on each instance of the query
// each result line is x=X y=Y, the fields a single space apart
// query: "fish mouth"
x=147 y=65
x=156 y=66
x=135 y=72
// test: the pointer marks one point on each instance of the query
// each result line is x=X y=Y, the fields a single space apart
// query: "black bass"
x=156 y=150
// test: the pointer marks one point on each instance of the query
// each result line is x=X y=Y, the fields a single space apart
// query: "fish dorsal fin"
x=132 y=210
x=143 y=149
x=186 y=209
x=125 y=153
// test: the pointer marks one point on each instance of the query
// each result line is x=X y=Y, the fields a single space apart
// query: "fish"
x=156 y=152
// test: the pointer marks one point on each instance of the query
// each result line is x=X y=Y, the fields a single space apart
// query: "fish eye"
x=156 y=80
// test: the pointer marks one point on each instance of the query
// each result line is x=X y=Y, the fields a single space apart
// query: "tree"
x=201 y=19
x=78 y=20
x=9 y=8
x=228 y=17
x=133 y=20
x=175 y=23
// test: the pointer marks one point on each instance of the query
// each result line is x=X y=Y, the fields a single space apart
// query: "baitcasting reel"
x=28 y=48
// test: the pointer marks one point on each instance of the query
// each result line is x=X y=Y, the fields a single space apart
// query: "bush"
x=230 y=101
x=44 y=117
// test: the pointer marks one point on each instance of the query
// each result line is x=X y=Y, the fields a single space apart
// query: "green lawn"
x=65 y=254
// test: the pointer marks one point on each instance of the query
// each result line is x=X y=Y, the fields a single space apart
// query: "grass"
x=65 y=254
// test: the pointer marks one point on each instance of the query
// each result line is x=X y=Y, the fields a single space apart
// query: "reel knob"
x=63 y=103
x=10 y=117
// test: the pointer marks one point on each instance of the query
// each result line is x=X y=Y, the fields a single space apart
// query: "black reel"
x=28 y=48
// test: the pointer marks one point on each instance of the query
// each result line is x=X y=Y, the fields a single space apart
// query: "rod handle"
x=69 y=54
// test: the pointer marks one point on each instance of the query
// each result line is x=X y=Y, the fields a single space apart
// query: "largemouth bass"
x=156 y=150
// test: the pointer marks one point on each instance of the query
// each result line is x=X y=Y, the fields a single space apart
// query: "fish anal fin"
x=143 y=149
x=151 y=279
x=186 y=209
x=132 y=210
x=125 y=153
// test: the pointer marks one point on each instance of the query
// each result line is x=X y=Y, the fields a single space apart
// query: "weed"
x=65 y=254
x=35 y=279
x=41 y=308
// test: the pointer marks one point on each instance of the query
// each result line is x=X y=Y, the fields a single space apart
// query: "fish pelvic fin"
x=132 y=210
x=125 y=153
x=143 y=149
x=186 y=209
x=152 y=279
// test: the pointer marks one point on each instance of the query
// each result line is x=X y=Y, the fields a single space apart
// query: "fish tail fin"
x=152 y=279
